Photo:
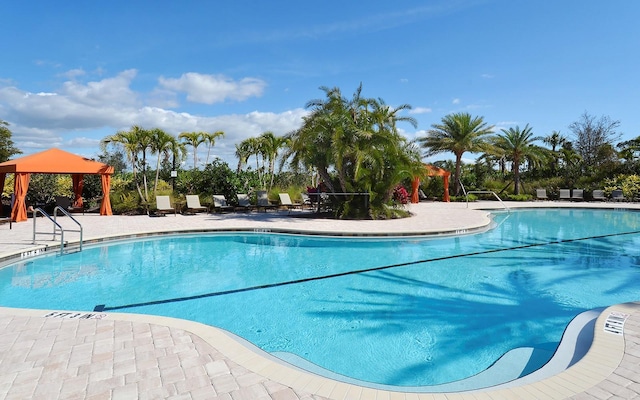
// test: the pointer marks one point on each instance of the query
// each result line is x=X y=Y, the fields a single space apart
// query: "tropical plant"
x=358 y=141
x=210 y=140
x=269 y=146
x=133 y=142
x=556 y=141
x=517 y=147
x=193 y=139
x=7 y=149
x=243 y=152
x=457 y=133
x=162 y=144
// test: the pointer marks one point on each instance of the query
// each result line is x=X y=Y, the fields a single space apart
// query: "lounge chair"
x=263 y=201
x=541 y=194
x=577 y=195
x=163 y=206
x=565 y=194
x=617 y=195
x=598 y=195
x=422 y=196
x=285 y=200
x=244 y=203
x=220 y=203
x=193 y=204
x=65 y=203
x=306 y=201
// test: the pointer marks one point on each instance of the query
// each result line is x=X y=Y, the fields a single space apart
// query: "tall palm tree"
x=270 y=145
x=556 y=141
x=457 y=133
x=517 y=146
x=193 y=139
x=145 y=141
x=130 y=142
x=162 y=145
x=243 y=152
x=210 y=140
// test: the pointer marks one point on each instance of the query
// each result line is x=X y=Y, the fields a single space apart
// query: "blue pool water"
x=418 y=312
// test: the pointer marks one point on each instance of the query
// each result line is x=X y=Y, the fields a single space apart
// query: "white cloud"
x=455 y=101
x=114 y=90
x=487 y=76
x=79 y=115
x=209 y=89
x=420 y=110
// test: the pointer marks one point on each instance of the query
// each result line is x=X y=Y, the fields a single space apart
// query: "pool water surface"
x=405 y=311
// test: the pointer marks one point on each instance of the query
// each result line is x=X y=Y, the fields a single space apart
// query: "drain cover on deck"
x=615 y=323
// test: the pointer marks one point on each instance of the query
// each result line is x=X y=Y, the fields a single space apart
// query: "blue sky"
x=76 y=71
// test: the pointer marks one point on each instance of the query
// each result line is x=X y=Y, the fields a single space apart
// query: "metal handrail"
x=466 y=196
x=57 y=228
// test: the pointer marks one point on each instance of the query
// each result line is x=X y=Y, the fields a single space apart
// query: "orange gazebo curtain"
x=78 y=184
x=2 y=177
x=19 y=212
x=431 y=171
x=415 y=187
x=105 y=206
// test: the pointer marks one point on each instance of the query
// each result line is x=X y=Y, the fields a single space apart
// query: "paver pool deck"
x=50 y=354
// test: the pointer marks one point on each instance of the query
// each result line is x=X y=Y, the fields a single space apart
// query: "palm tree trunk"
x=456 y=185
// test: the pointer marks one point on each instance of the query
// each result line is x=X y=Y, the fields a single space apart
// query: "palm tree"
x=457 y=133
x=356 y=138
x=556 y=141
x=210 y=140
x=145 y=140
x=162 y=145
x=243 y=152
x=130 y=142
x=517 y=146
x=193 y=139
x=270 y=145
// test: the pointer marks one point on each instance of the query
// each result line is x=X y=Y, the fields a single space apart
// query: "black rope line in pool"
x=103 y=307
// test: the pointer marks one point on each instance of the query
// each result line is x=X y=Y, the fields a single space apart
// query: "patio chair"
x=598 y=195
x=565 y=194
x=163 y=206
x=541 y=194
x=244 y=203
x=220 y=203
x=577 y=195
x=306 y=201
x=65 y=203
x=193 y=204
x=263 y=201
x=285 y=200
x=617 y=195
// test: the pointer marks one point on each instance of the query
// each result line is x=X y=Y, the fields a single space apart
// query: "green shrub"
x=519 y=197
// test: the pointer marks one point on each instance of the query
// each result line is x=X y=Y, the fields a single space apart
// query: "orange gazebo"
x=431 y=171
x=54 y=161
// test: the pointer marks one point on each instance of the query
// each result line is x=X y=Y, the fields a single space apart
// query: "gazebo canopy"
x=54 y=161
x=431 y=171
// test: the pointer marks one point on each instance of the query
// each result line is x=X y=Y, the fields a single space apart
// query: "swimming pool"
x=394 y=311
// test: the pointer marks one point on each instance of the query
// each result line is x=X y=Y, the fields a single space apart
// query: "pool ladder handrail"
x=466 y=196
x=57 y=228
